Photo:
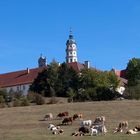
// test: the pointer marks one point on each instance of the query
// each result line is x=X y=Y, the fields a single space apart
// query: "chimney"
x=28 y=70
x=87 y=64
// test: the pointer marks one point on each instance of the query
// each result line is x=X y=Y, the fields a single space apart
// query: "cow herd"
x=90 y=127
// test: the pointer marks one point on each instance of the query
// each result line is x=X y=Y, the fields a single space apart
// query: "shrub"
x=132 y=92
x=16 y=103
x=2 y=102
x=18 y=95
x=39 y=100
x=31 y=97
x=24 y=102
x=1 y=99
x=53 y=100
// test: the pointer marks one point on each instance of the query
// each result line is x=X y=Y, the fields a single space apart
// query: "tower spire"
x=71 y=51
x=42 y=61
x=70 y=35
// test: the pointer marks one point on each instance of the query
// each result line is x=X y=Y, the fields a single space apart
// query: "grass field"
x=24 y=123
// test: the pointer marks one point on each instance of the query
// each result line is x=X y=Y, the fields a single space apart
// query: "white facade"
x=120 y=90
x=23 y=88
x=71 y=50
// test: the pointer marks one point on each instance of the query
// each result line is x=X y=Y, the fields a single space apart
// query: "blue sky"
x=107 y=32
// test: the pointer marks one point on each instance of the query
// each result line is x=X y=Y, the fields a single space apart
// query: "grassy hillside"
x=23 y=123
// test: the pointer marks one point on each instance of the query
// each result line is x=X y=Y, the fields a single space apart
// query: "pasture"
x=25 y=123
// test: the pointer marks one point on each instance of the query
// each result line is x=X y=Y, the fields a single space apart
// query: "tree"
x=133 y=75
x=98 y=85
x=133 y=72
x=68 y=78
x=55 y=80
x=46 y=80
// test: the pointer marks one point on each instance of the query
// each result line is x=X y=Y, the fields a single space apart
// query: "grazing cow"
x=86 y=123
x=48 y=116
x=84 y=129
x=122 y=125
x=75 y=116
x=51 y=126
x=99 y=120
x=94 y=131
x=67 y=120
x=98 y=129
x=132 y=131
x=137 y=127
x=61 y=131
x=58 y=131
x=62 y=114
x=77 y=134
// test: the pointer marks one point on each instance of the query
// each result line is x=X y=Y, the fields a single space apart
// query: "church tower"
x=41 y=61
x=71 y=50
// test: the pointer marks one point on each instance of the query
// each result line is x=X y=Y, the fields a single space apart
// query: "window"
x=70 y=60
x=17 y=88
x=23 y=87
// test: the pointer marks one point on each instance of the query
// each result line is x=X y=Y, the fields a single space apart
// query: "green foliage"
x=92 y=94
x=133 y=72
x=31 y=97
x=133 y=76
x=35 y=98
x=91 y=78
x=46 y=79
x=55 y=80
x=64 y=81
x=2 y=99
x=71 y=94
x=16 y=103
x=17 y=95
x=132 y=92
x=98 y=85
x=68 y=78
x=106 y=94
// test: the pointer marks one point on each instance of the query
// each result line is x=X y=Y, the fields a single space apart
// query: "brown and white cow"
x=84 y=129
x=122 y=126
x=137 y=127
x=67 y=121
x=76 y=116
x=100 y=120
x=77 y=134
x=62 y=114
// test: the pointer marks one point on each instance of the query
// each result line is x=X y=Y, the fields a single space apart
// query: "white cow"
x=51 y=126
x=55 y=129
x=48 y=116
x=86 y=123
x=95 y=129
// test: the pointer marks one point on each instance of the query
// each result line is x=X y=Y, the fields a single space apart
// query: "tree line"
x=64 y=81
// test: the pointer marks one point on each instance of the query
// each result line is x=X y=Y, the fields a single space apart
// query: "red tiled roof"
x=120 y=73
x=76 y=66
x=19 y=77
x=25 y=77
